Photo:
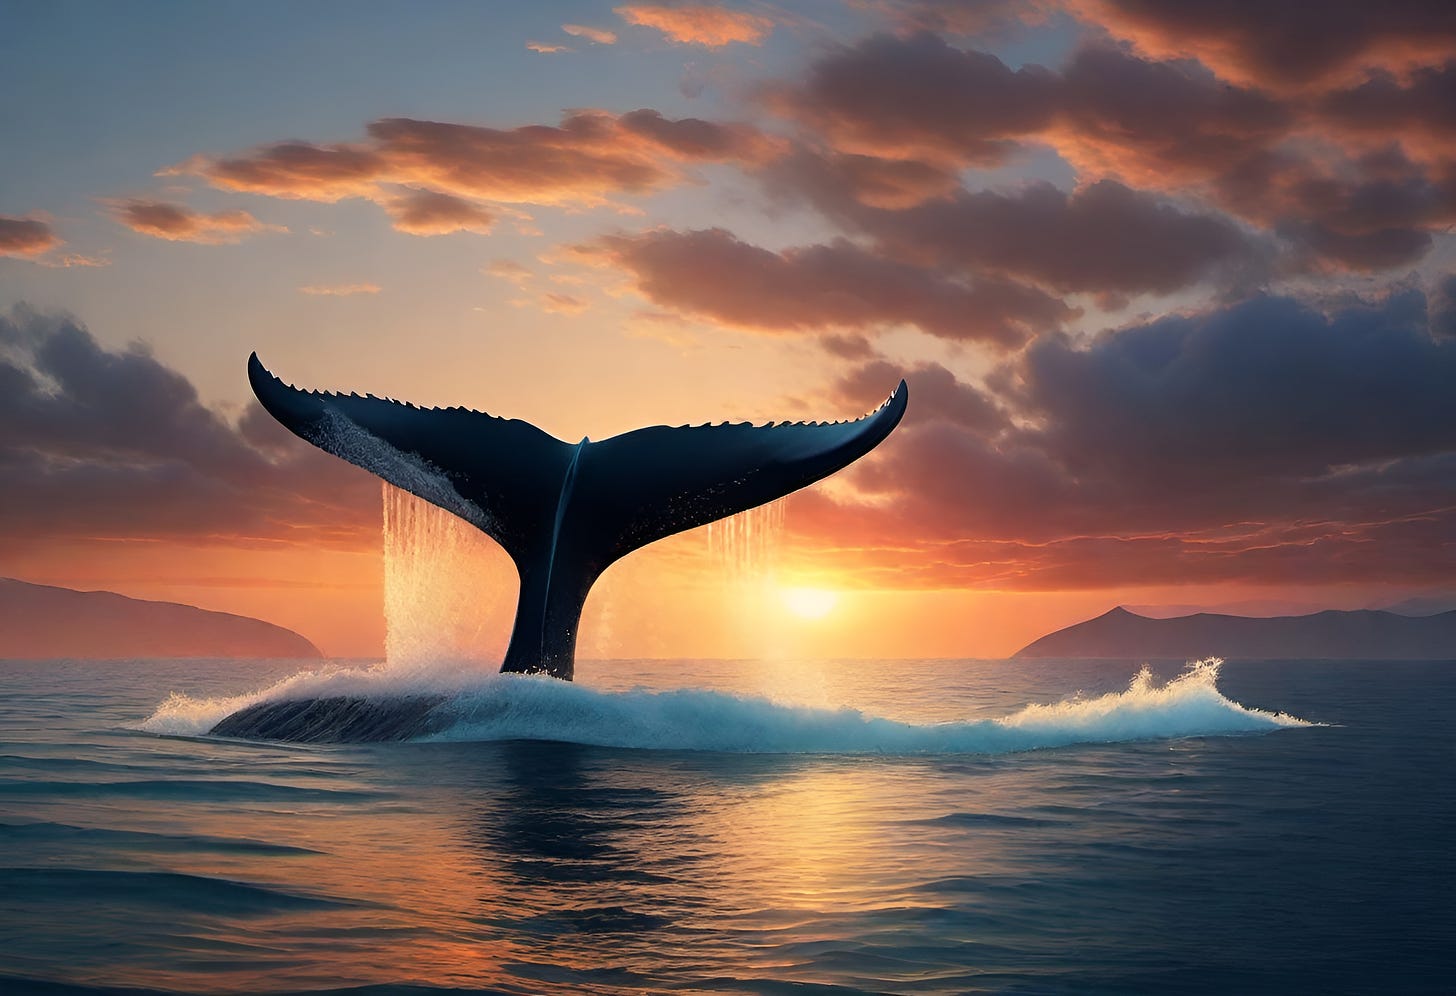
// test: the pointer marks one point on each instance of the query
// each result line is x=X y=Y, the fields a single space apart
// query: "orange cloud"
x=1283 y=46
x=339 y=290
x=177 y=223
x=546 y=49
x=73 y=259
x=599 y=35
x=26 y=237
x=562 y=304
x=699 y=24
x=507 y=269
x=1354 y=179
x=590 y=156
x=297 y=170
x=428 y=212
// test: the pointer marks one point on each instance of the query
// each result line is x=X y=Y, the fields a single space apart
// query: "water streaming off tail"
x=745 y=546
x=449 y=590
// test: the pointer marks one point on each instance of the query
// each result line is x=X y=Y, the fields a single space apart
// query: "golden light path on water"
x=792 y=820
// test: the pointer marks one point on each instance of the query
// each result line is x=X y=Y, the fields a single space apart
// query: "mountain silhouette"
x=41 y=621
x=1361 y=634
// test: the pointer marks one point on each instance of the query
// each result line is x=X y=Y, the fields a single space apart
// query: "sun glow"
x=809 y=603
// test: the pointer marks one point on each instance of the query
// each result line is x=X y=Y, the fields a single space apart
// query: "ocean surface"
x=737 y=827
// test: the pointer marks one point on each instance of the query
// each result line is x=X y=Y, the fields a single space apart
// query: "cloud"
x=1355 y=179
x=697 y=140
x=959 y=17
x=429 y=212
x=1107 y=112
x=507 y=269
x=699 y=24
x=1262 y=441
x=590 y=157
x=1419 y=110
x=919 y=98
x=26 y=237
x=710 y=274
x=599 y=35
x=1443 y=308
x=1284 y=46
x=110 y=445
x=1103 y=237
x=939 y=396
x=177 y=223
x=1160 y=124
x=546 y=49
x=339 y=290
x=1374 y=213
x=562 y=304
x=296 y=170
x=73 y=259
x=840 y=183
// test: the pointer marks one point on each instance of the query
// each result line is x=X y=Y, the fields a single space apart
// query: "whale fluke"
x=566 y=511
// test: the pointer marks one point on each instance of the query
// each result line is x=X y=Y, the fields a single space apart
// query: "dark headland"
x=41 y=621
x=1364 y=634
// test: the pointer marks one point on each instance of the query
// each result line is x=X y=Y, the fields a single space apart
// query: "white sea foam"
x=521 y=707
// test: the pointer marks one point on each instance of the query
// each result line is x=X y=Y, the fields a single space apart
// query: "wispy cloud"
x=599 y=35
x=177 y=223
x=546 y=49
x=507 y=269
x=699 y=24
x=562 y=304
x=339 y=290
x=74 y=259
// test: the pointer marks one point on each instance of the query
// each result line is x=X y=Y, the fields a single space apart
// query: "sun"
x=809 y=603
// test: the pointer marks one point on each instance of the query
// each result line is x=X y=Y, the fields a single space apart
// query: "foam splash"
x=524 y=707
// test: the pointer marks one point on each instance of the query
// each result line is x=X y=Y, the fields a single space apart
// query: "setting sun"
x=809 y=603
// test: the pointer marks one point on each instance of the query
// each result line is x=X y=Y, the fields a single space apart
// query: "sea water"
x=757 y=827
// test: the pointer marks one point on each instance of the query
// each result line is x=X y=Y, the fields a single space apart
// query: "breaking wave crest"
x=522 y=707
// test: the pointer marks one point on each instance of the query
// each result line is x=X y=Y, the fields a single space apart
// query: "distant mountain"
x=1362 y=634
x=1423 y=605
x=38 y=621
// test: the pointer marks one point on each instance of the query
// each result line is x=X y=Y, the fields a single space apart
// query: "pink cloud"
x=699 y=24
x=177 y=223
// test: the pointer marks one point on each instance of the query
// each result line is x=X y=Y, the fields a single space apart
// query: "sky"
x=1173 y=287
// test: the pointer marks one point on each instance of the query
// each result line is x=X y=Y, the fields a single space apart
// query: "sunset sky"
x=1173 y=287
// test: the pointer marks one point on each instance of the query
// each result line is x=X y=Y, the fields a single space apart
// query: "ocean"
x=951 y=826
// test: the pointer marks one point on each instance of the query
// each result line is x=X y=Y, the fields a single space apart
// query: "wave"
x=528 y=707
x=173 y=890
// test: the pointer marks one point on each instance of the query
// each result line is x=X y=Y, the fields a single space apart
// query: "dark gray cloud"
x=939 y=396
x=713 y=275
x=1443 y=308
x=1103 y=237
x=1290 y=45
x=919 y=97
x=104 y=444
x=1264 y=441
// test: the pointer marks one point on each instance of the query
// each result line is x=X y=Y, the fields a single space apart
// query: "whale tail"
x=564 y=512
